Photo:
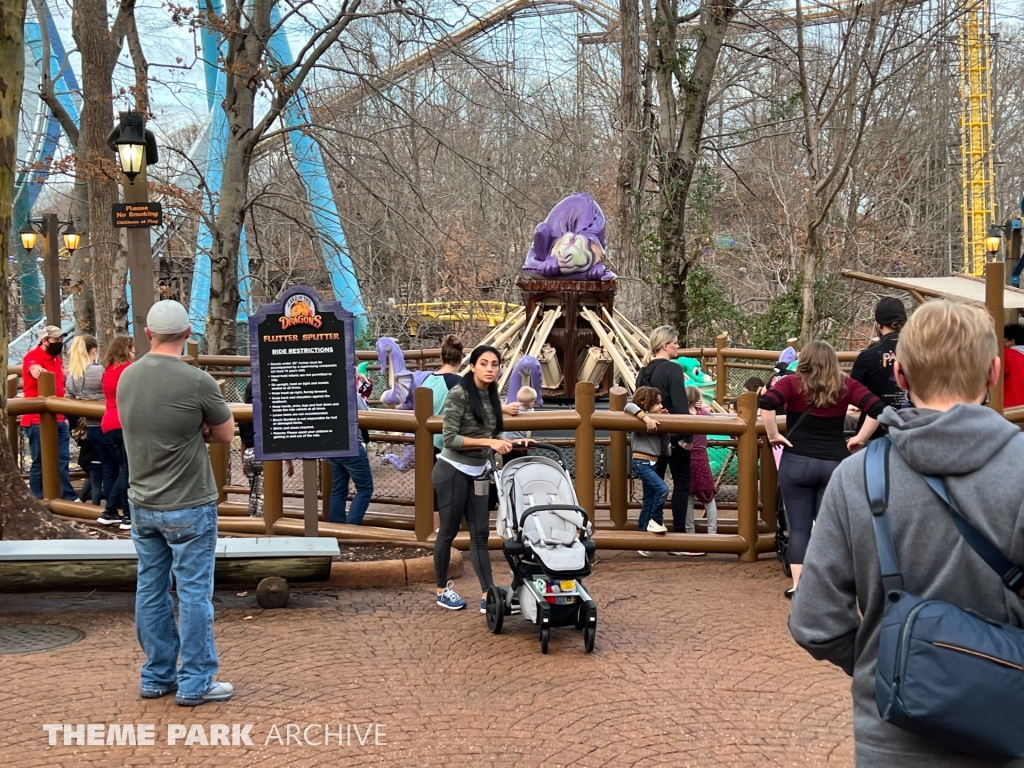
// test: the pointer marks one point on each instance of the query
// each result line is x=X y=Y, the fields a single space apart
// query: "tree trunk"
x=631 y=140
x=809 y=274
x=99 y=55
x=81 y=261
x=21 y=517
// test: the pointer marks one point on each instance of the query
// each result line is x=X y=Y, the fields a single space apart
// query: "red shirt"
x=111 y=376
x=1013 y=379
x=30 y=384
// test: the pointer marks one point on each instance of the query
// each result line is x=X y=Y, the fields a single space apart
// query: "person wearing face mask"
x=46 y=358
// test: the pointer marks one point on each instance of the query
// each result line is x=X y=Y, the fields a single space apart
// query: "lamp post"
x=136 y=148
x=995 y=278
x=49 y=226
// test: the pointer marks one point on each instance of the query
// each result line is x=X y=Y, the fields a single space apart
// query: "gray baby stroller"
x=548 y=546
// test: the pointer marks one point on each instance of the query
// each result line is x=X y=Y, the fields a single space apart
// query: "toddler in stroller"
x=548 y=546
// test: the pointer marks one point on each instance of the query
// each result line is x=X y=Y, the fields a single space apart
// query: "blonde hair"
x=821 y=381
x=78 y=356
x=694 y=397
x=526 y=395
x=946 y=349
x=660 y=336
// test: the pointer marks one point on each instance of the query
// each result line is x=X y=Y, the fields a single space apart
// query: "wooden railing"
x=753 y=532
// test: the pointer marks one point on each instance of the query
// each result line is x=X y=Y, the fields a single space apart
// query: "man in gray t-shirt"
x=169 y=412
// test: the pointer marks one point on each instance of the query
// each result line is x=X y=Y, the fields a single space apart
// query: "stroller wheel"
x=495 y=609
x=544 y=619
x=589 y=613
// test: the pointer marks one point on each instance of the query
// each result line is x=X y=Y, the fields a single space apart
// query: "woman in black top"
x=815 y=400
x=664 y=374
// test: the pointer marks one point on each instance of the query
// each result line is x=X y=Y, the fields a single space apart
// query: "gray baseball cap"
x=168 y=316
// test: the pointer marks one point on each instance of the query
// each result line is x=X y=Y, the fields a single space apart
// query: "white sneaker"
x=643 y=553
x=655 y=527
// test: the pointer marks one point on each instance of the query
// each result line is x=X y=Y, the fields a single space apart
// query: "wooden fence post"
x=48 y=449
x=326 y=487
x=12 y=421
x=423 y=407
x=273 y=490
x=769 y=484
x=747 y=451
x=721 y=374
x=618 y=471
x=585 y=394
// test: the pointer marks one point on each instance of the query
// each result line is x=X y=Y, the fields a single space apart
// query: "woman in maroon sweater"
x=815 y=401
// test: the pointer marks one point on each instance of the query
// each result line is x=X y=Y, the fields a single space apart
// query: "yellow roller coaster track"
x=976 y=147
x=490 y=312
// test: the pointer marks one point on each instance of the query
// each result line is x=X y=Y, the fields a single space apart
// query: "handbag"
x=946 y=674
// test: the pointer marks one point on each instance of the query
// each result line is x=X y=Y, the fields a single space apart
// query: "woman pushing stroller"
x=472 y=432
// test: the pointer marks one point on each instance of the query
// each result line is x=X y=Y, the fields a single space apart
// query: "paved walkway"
x=694 y=667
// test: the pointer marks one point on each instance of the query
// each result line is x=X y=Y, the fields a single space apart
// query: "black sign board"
x=303 y=378
x=134 y=215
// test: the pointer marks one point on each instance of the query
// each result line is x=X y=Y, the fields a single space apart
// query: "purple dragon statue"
x=399 y=395
x=569 y=243
x=525 y=374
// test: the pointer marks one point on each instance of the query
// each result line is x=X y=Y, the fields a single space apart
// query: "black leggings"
x=678 y=464
x=455 y=500
x=802 y=480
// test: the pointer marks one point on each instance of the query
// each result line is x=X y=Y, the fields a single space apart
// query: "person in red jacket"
x=1013 y=365
x=120 y=354
x=46 y=357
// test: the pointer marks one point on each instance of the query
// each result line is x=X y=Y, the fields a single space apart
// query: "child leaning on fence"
x=702 y=479
x=648 y=447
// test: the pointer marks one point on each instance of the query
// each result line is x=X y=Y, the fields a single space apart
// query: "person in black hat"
x=874 y=366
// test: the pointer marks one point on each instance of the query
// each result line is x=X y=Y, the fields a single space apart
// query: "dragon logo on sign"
x=299 y=310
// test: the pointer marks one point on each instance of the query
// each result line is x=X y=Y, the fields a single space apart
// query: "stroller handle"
x=532 y=444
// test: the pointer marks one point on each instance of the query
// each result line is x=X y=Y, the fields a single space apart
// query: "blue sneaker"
x=483 y=605
x=450 y=599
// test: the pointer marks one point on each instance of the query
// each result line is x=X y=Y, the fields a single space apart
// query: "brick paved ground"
x=694 y=667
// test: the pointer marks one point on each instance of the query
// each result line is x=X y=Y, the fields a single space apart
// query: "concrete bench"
x=86 y=564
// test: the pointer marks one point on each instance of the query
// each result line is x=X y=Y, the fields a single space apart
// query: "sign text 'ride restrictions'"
x=301 y=397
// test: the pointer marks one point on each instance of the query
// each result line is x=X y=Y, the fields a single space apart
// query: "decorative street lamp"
x=29 y=235
x=72 y=237
x=993 y=240
x=135 y=145
x=136 y=150
x=50 y=228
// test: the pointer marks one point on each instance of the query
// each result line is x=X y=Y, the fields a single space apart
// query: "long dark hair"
x=476 y=405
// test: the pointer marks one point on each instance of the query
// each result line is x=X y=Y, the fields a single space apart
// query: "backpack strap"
x=876 y=481
x=1012 y=575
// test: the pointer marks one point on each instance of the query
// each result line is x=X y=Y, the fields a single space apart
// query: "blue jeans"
x=358 y=469
x=35 y=472
x=655 y=493
x=179 y=542
x=107 y=456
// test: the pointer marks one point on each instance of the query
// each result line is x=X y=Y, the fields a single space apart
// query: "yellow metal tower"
x=976 y=149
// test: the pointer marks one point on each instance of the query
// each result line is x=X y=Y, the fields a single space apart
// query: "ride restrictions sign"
x=132 y=215
x=302 y=352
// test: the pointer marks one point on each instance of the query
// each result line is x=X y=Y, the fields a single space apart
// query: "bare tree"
x=21 y=517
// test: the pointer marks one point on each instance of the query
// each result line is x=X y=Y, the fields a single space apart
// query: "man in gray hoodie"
x=946 y=359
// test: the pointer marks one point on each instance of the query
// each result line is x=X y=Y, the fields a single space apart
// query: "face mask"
x=54 y=348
